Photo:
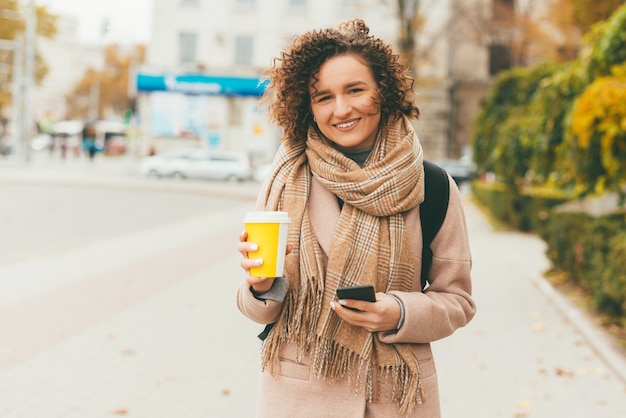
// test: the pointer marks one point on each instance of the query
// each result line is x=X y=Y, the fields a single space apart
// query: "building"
x=198 y=44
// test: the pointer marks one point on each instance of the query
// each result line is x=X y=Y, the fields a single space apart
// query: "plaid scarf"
x=370 y=246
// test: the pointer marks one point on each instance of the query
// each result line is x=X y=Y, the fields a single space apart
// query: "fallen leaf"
x=225 y=392
x=538 y=326
x=120 y=411
x=128 y=351
x=524 y=404
x=520 y=414
x=562 y=371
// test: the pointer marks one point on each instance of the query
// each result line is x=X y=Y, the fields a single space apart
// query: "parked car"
x=40 y=142
x=198 y=164
x=160 y=165
x=459 y=170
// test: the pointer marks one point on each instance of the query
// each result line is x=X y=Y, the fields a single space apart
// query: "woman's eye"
x=355 y=90
x=323 y=98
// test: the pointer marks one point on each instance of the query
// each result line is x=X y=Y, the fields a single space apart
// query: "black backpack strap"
x=266 y=331
x=432 y=211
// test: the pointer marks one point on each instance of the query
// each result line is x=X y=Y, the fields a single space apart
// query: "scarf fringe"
x=334 y=363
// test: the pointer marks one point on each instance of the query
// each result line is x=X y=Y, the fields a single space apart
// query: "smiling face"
x=344 y=102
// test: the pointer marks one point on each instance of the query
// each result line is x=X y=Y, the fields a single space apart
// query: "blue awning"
x=201 y=84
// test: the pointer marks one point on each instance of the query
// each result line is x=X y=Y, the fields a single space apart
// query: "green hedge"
x=593 y=253
x=524 y=211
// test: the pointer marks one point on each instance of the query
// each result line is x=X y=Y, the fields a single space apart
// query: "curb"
x=595 y=337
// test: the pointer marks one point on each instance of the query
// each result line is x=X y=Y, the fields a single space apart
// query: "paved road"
x=141 y=322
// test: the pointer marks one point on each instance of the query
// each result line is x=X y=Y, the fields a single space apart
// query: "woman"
x=350 y=174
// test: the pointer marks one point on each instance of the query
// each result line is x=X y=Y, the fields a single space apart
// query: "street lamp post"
x=29 y=77
x=23 y=74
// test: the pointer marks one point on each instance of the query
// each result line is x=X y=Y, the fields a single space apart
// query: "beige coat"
x=437 y=313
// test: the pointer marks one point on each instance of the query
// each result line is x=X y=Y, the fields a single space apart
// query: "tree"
x=11 y=25
x=573 y=18
x=410 y=23
x=585 y=13
x=533 y=31
x=106 y=91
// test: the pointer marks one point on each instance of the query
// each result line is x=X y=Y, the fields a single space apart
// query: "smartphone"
x=364 y=292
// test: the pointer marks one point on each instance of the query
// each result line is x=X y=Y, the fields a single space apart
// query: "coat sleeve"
x=447 y=304
x=261 y=309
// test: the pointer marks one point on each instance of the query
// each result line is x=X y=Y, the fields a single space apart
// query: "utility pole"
x=29 y=77
x=23 y=75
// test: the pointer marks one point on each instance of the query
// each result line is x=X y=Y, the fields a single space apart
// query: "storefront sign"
x=200 y=84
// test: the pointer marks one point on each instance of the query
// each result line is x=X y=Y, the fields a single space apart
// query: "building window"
x=503 y=10
x=188 y=47
x=243 y=50
x=500 y=58
x=297 y=6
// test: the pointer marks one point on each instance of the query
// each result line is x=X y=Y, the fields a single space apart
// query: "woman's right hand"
x=258 y=284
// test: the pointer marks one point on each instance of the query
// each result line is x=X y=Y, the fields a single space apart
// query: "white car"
x=159 y=165
x=198 y=164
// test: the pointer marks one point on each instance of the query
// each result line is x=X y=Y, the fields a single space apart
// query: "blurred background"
x=168 y=73
x=132 y=143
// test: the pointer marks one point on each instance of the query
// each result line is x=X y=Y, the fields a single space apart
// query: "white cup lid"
x=266 y=217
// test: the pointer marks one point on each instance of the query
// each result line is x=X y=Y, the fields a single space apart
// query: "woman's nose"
x=342 y=107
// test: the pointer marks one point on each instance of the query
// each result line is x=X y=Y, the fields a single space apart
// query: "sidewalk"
x=162 y=338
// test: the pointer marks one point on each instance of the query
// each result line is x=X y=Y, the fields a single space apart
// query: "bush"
x=509 y=96
x=610 y=289
x=607 y=45
x=597 y=145
x=593 y=253
x=525 y=211
x=565 y=235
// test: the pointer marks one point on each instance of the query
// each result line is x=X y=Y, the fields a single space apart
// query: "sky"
x=129 y=20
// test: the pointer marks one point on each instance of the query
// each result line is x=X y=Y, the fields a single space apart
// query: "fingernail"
x=332 y=305
x=258 y=261
x=253 y=247
x=342 y=302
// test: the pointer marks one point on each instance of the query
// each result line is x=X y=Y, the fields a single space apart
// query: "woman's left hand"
x=382 y=315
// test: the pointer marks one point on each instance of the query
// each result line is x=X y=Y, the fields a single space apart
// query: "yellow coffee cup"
x=268 y=229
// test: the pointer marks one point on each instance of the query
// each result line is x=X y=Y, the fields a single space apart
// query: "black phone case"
x=364 y=292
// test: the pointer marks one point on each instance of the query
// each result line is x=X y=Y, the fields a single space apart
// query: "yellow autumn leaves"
x=599 y=114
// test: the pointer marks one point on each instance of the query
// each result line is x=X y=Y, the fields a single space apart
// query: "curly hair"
x=287 y=93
